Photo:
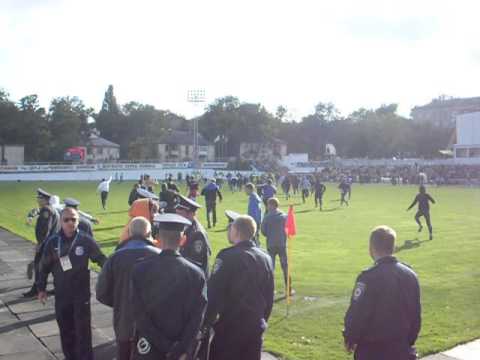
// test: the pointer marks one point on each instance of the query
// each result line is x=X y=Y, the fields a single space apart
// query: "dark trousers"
x=305 y=194
x=232 y=346
x=36 y=265
x=318 y=199
x=211 y=210
x=281 y=251
x=426 y=215
x=104 y=196
x=75 y=331
x=124 y=350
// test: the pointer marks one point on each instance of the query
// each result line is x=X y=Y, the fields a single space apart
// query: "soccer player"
x=423 y=199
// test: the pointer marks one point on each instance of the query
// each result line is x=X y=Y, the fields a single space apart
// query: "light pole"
x=196 y=97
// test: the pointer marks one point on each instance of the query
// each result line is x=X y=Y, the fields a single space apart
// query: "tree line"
x=226 y=122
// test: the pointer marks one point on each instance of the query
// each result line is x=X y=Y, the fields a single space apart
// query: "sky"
x=292 y=53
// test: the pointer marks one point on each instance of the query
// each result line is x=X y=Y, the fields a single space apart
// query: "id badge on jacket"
x=65 y=263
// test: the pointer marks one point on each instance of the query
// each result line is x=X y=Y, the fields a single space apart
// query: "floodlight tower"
x=197 y=98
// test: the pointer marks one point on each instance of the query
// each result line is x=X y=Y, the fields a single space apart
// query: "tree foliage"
x=226 y=122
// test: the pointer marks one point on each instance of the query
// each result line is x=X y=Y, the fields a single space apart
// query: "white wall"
x=468 y=129
x=14 y=154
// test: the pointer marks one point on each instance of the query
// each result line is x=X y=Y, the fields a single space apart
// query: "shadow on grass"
x=275 y=322
x=112 y=212
x=410 y=244
x=109 y=242
x=109 y=228
x=304 y=211
x=332 y=209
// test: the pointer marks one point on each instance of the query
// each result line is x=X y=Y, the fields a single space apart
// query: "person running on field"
x=423 y=199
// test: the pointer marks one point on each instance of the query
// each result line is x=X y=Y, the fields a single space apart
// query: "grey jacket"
x=273 y=228
x=113 y=286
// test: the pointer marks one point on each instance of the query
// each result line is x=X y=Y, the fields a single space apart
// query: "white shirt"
x=104 y=185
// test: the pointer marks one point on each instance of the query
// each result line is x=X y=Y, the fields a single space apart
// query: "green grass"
x=328 y=253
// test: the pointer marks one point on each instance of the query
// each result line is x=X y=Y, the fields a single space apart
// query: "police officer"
x=66 y=256
x=196 y=247
x=113 y=286
x=240 y=295
x=383 y=320
x=168 y=297
x=231 y=216
x=47 y=225
x=85 y=220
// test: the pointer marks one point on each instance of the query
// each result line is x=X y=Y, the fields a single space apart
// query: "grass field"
x=330 y=250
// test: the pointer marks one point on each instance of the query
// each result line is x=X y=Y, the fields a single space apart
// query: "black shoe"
x=431 y=236
x=32 y=293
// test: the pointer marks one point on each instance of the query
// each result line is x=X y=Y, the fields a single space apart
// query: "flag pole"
x=289 y=265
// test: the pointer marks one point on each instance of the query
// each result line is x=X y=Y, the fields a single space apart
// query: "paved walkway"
x=469 y=351
x=28 y=330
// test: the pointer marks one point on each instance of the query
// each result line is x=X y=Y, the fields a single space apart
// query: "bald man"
x=113 y=286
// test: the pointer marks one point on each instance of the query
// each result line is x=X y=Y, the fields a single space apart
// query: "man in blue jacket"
x=254 y=208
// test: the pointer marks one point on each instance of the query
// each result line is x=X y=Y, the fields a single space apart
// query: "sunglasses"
x=66 y=220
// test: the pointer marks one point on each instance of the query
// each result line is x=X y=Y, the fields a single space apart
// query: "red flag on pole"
x=290 y=224
x=291 y=231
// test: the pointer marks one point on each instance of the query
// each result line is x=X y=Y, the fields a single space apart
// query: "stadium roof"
x=98 y=141
x=178 y=137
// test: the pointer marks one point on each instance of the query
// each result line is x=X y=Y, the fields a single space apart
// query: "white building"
x=100 y=149
x=275 y=149
x=468 y=136
x=177 y=145
x=12 y=154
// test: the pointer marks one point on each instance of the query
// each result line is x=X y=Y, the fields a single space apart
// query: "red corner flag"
x=290 y=224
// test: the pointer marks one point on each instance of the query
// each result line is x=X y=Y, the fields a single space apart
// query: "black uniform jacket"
x=240 y=290
x=113 y=286
x=385 y=305
x=47 y=224
x=197 y=247
x=74 y=284
x=169 y=296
